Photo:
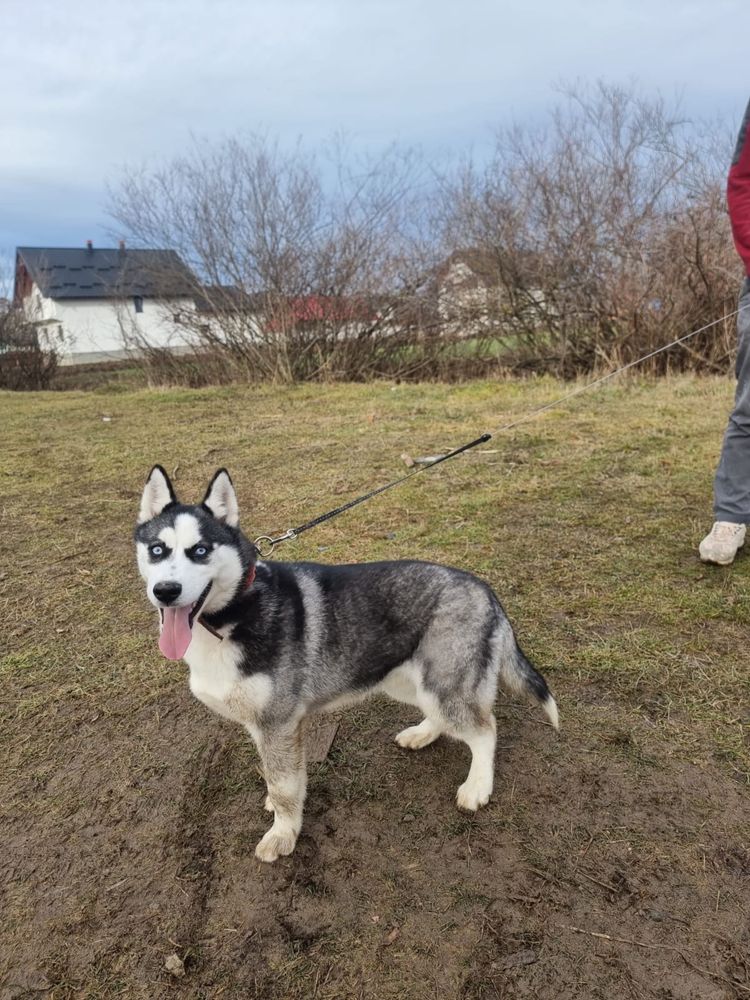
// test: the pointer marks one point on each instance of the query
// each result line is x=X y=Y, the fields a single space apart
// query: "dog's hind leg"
x=477 y=788
x=416 y=737
x=404 y=684
x=283 y=756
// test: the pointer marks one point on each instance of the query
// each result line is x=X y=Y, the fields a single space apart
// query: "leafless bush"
x=605 y=234
x=302 y=269
x=25 y=363
x=583 y=244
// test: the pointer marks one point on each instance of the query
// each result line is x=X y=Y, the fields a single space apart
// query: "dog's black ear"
x=157 y=494
x=221 y=500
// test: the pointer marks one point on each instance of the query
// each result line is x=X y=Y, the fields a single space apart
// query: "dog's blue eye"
x=156 y=550
x=200 y=551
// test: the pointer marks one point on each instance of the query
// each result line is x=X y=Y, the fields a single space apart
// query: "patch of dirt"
x=589 y=874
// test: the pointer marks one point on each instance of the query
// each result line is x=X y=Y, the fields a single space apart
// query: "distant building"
x=101 y=305
x=468 y=292
x=223 y=311
x=474 y=297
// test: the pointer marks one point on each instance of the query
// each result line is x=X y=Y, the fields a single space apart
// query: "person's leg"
x=732 y=480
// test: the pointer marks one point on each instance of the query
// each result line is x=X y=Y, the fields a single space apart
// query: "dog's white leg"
x=283 y=756
x=477 y=788
x=416 y=737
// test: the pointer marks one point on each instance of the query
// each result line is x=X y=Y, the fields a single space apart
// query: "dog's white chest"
x=216 y=681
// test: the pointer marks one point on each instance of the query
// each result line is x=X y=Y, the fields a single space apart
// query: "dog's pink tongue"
x=175 y=633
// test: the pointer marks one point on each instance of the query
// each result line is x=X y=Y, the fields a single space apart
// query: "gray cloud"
x=90 y=87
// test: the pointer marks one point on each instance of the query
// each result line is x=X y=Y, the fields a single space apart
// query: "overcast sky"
x=90 y=86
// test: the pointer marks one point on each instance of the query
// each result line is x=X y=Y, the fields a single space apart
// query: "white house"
x=473 y=298
x=101 y=305
x=469 y=295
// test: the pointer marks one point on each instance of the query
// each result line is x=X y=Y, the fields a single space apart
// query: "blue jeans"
x=732 y=480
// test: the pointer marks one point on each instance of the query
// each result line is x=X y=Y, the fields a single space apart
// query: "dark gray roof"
x=82 y=273
x=229 y=299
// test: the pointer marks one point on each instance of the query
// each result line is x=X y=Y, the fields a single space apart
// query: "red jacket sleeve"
x=738 y=192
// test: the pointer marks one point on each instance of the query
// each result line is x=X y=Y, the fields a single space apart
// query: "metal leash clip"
x=271 y=543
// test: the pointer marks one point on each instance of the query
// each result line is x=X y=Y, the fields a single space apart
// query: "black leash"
x=271 y=543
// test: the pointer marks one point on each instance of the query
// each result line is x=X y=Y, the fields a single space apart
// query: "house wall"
x=102 y=329
x=465 y=303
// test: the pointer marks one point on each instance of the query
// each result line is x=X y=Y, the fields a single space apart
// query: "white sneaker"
x=722 y=543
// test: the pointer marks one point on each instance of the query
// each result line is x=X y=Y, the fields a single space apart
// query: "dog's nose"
x=168 y=591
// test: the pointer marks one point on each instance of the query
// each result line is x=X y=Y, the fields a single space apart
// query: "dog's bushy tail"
x=518 y=675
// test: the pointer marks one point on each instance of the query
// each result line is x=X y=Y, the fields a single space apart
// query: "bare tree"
x=585 y=242
x=606 y=231
x=305 y=267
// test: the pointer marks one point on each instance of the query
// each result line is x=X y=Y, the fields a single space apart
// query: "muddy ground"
x=587 y=876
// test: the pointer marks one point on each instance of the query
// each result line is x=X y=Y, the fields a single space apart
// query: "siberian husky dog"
x=269 y=643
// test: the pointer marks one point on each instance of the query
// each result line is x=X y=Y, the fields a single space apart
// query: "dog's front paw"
x=471 y=795
x=274 y=844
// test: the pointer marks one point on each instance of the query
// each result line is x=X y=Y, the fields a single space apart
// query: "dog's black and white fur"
x=285 y=640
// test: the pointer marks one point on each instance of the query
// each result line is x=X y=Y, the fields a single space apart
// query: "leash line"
x=270 y=543
x=618 y=371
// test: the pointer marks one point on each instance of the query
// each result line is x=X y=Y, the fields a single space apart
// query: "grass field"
x=613 y=860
